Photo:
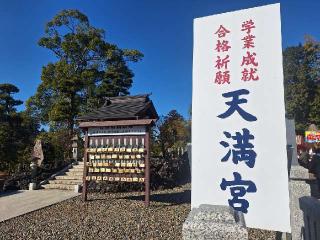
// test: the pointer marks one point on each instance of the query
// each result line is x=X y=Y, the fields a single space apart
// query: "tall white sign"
x=238 y=117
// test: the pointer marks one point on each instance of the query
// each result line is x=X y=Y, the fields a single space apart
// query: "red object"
x=247 y=26
x=248 y=41
x=222 y=63
x=222 y=31
x=249 y=59
x=222 y=46
x=222 y=77
x=249 y=75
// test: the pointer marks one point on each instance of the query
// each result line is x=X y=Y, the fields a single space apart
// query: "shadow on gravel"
x=171 y=198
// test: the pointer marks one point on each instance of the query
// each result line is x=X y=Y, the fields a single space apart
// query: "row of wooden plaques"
x=116 y=163
x=115 y=170
x=114 y=179
x=115 y=156
x=116 y=150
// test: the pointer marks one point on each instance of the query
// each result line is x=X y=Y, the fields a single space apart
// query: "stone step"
x=69 y=179
x=59 y=186
x=66 y=181
x=75 y=170
x=66 y=177
x=77 y=166
x=76 y=173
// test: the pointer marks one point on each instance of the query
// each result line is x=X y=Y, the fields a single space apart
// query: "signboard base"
x=214 y=222
x=299 y=186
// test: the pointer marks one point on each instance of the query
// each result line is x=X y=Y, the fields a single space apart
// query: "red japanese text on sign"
x=222 y=74
x=249 y=61
x=222 y=31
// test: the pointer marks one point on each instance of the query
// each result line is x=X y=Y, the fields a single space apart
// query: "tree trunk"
x=70 y=136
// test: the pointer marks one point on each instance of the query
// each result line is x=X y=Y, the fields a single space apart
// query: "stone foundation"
x=214 y=222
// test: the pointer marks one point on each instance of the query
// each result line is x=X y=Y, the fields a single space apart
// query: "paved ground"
x=16 y=203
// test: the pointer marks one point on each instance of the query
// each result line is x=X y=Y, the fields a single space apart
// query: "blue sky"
x=161 y=30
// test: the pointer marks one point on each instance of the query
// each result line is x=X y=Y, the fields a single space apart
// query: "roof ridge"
x=121 y=107
x=127 y=99
x=131 y=96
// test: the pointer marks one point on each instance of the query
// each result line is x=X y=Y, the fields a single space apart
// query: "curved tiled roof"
x=124 y=107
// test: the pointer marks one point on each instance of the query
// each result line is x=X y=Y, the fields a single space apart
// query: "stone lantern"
x=75 y=148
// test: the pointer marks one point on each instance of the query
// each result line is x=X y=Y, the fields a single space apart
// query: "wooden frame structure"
x=117 y=147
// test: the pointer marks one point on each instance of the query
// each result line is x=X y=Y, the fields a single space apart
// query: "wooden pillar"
x=85 y=159
x=147 y=168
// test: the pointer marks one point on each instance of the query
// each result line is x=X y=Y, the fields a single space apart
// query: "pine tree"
x=301 y=81
x=87 y=70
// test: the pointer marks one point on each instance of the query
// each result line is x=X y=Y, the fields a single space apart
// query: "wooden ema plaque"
x=117 y=154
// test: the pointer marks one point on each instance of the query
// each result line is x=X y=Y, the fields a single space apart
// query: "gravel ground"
x=113 y=216
x=258 y=234
x=105 y=216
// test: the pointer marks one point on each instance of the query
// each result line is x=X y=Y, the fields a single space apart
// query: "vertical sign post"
x=238 y=116
x=147 y=169
x=85 y=170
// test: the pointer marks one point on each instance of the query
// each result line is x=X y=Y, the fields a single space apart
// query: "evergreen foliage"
x=301 y=81
x=17 y=131
x=170 y=134
x=87 y=70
